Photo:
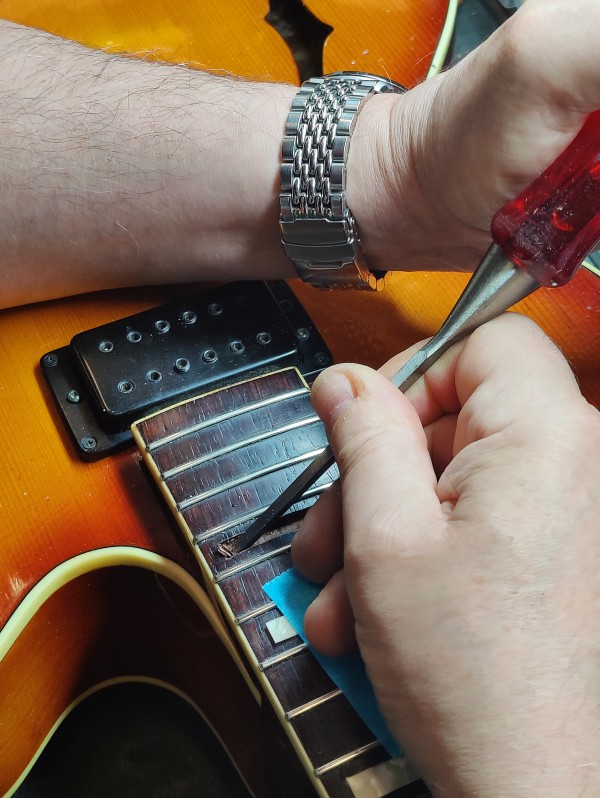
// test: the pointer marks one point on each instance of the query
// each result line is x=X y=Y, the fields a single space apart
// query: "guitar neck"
x=219 y=460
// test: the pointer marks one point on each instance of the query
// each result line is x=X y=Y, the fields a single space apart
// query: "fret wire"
x=342 y=760
x=316 y=490
x=277 y=658
x=235 y=483
x=212 y=455
x=236 y=569
x=316 y=702
x=250 y=614
x=215 y=530
x=238 y=411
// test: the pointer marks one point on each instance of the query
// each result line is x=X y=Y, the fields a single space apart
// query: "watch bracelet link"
x=318 y=230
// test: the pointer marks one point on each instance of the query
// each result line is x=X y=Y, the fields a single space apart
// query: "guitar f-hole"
x=303 y=33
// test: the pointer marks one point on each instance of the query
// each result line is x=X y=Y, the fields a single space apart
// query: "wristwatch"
x=318 y=230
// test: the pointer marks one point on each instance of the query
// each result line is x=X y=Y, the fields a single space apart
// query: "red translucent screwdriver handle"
x=554 y=223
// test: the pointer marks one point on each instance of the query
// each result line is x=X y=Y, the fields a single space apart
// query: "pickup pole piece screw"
x=215 y=308
x=189 y=317
x=237 y=347
x=263 y=338
x=182 y=364
x=302 y=333
x=162 y=326
x=134 y=337
x=106 y=346
x=209 y=356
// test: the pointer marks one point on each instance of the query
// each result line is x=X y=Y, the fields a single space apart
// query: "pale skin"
x=470 y=570
x=464 y=557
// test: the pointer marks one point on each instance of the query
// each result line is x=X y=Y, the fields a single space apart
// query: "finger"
x=431 y=398
x=440 y=436
x=317 y=547
x=436 y=402
x=381 y=451
x=329 y=620
x=509 y=374
x=506 y=372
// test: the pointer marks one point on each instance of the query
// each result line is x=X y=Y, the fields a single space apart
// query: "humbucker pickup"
x=112 y=375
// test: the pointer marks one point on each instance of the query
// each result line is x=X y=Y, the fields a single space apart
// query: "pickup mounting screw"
x=182 y=364
x=88 y=443
x=73 y=397
x=50 y=360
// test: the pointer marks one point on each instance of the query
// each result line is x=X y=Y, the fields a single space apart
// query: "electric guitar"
x=102 y=577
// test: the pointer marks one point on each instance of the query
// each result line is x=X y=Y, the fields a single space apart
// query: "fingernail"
x=336 y=390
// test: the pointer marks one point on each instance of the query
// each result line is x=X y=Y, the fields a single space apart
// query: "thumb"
x=386 y=473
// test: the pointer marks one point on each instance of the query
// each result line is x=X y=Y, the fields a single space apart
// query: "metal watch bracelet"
x=318 y=230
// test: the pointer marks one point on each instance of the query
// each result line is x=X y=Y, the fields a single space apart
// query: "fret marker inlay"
x=280 y=630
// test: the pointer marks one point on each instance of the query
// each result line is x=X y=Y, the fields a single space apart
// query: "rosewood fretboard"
x=219 y=460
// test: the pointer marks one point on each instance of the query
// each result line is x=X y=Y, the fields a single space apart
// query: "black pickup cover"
x=112 y=375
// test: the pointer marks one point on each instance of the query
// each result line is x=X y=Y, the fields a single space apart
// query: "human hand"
x=465 y=557
x=427 y=170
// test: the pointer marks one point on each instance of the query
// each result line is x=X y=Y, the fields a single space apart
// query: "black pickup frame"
x=113 y=375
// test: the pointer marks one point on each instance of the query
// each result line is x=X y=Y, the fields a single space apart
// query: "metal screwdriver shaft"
x=496 y=285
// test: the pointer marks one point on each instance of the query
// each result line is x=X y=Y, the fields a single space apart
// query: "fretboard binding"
x=235 y=483
x=255 y=613
x=278 y=658
x=236 y=569
x=232 y=447
x=316 y=702
x=342 y=760
x=150 y=447
x=316 y=490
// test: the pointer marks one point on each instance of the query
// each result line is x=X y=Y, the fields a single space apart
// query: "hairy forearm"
x=118 y=171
